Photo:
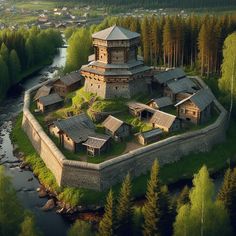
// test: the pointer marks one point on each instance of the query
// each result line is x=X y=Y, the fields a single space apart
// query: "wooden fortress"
x=115 y=69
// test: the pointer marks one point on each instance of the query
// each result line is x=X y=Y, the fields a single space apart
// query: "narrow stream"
x=50 y=223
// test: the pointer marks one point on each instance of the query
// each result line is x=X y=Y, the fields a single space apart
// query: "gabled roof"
x=96 y=141
x=201 y=99
x=150 y=133
x=166 y=76
x=162 y=102
x=70 y=78
x=163 y=119
x=115 y=33
x=43 y=91
x=182 y=85
x=112 y=123
x=78 y=127
x=137 y=106
x=50 y=99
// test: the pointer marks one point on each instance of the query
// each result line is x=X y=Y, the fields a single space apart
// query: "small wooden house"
x=179 y=86
x=116 y=128
x=45 y=90
x=97 y=144
x=68 y=83
x=160 y=103
x=196 y=108
x=73 y=132
x=49 y=103
x=165 y=121
x=148 y=137
x=143 y=111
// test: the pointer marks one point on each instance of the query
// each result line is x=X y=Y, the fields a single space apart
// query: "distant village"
x=115 y=71
x=66 y=16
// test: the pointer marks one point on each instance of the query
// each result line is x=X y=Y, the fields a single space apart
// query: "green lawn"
x=216 y=160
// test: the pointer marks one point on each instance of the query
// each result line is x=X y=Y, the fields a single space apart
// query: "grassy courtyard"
x=217 y=159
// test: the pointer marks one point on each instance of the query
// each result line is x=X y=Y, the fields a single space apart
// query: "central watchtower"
x=115 y=69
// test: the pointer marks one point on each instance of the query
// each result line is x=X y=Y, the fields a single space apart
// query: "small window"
x=194 y=113
x=116 y=88
x=91 y=85
x=98 y=86
x=182 y=110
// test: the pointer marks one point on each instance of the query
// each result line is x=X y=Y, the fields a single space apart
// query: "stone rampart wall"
x=102 y=176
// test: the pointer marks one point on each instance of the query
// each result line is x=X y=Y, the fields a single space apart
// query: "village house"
x=45 y=90
x=197 y=108
x=116 y=128
x=142 y=111
x=148 y=137
x=73 y=131
x=160 y=103
x=173 y=88
x=97 y=144
x=165 y=121
x=115 y=69
x=49 y=103
x=161 y=79
x=68 y=83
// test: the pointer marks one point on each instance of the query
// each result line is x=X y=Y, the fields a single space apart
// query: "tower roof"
x=115 y=33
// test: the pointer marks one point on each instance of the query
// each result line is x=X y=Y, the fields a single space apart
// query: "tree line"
x=196 y=210
x=162 y=3
x=24 y=50
x=195 y=42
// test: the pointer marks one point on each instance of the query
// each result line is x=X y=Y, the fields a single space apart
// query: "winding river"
x=50 y=223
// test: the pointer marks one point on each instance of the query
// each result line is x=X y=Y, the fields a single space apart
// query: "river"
x=50 y=223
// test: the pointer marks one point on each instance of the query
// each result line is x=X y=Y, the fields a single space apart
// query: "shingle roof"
x=182 y=85
x=201 y=99
x=112 y=123
x=162 y=102
x=50 y=99
x=163 y=119
x=43 y=91
x=96 y=141
x=165 y=76
x=115 y=33
x=78 y=127
x=71 y=78
x=151 y=133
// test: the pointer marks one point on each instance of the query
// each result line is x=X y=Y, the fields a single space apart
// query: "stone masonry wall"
x=102 y=176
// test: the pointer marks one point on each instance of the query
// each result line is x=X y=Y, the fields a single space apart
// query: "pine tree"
x=106 y=225
x=183 y=197
x=145 y=40
x=14 y=67
x=81 y=228
x=227 y=195
x=124 y=208
x=151 y=210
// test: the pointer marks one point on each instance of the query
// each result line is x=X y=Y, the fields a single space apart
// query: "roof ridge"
x=165 y=113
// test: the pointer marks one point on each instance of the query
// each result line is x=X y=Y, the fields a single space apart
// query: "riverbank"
x=216 y=160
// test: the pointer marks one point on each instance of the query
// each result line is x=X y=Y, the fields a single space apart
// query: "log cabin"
x=49 y=103
x=165 y=121
x=68 y=83
x=197 y=108
x=116 y=128
x=73 y=131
